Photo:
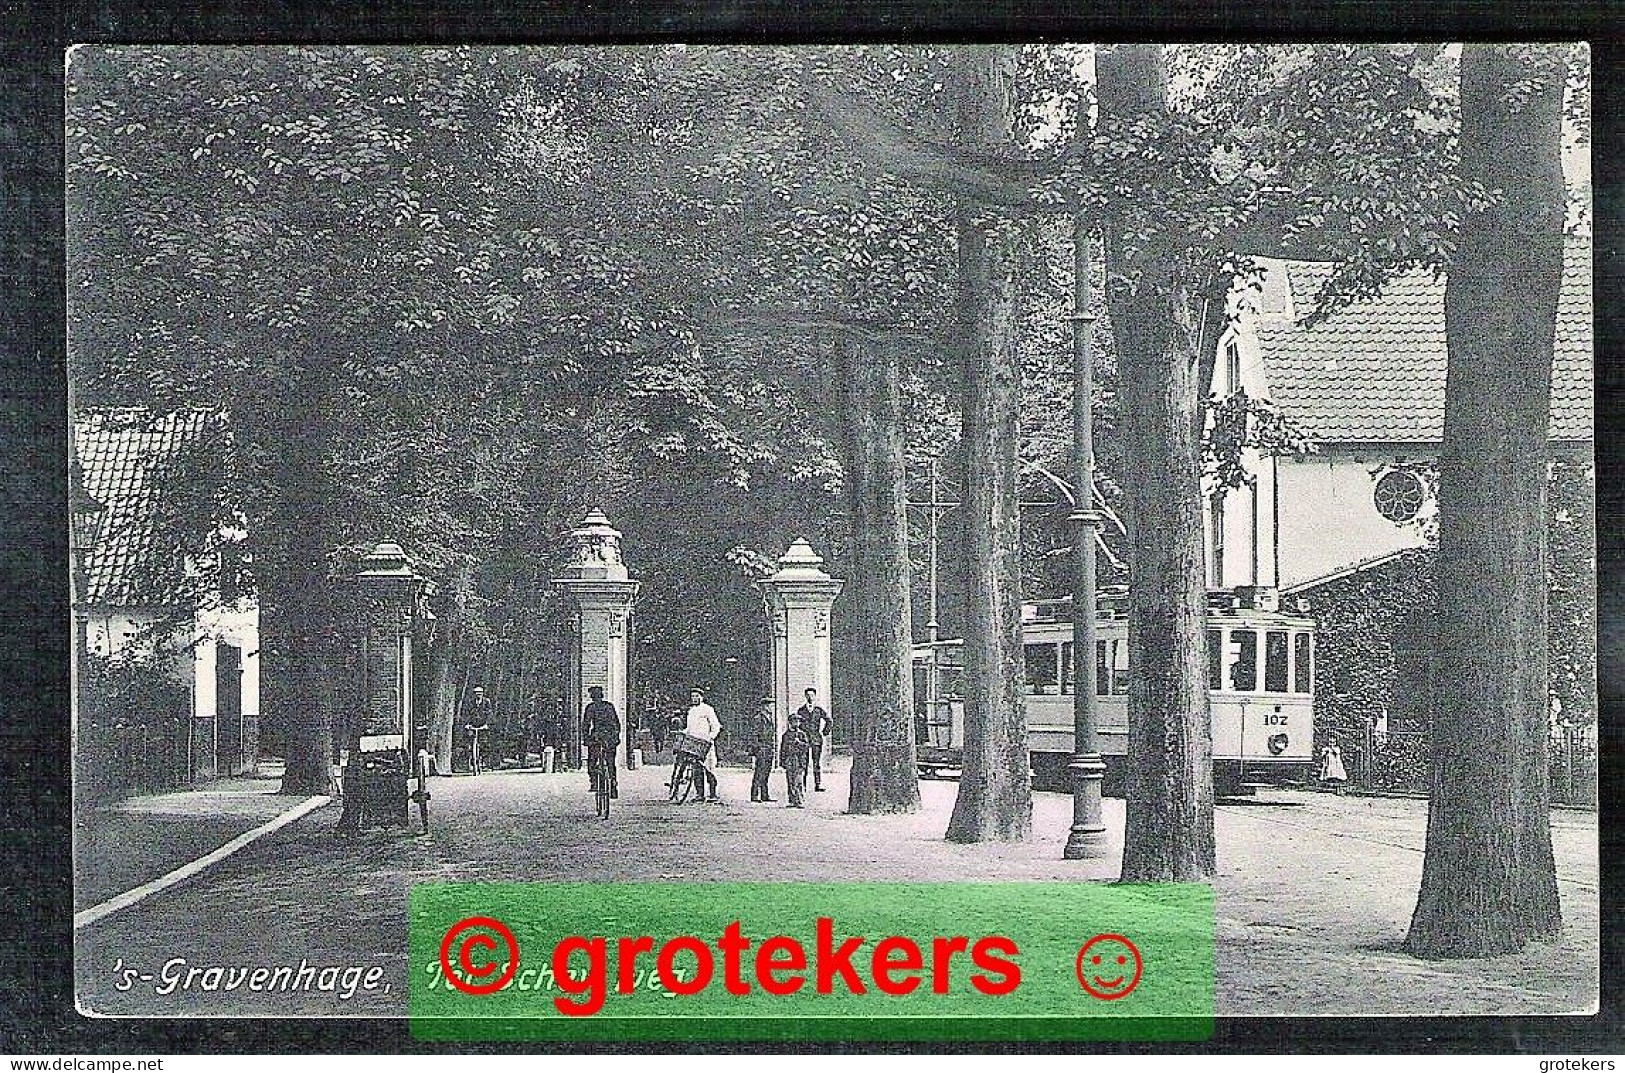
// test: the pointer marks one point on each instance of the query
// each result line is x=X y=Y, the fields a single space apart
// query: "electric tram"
x=1260 y=690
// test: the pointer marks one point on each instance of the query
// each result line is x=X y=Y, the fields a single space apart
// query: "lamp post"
x=736 y=693
x=933 y=673
x=1087 y=839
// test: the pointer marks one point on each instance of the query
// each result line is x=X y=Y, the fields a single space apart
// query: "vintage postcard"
x=952 y=544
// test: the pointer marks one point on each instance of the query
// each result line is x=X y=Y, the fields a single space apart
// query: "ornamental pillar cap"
x=387 y=560
x=800 y=563
x=597 y=519
x=595 y=550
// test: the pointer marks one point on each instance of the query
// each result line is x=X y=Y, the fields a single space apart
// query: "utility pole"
x=932 y=626
x=1087 y=838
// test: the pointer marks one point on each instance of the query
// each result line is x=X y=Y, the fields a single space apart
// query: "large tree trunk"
x=443 y=675
x=884 y=775
x=1169 y=827
x=442 y=703
x=995 y=788
x=299 y=628
x=303 y=618
x=1489 y=885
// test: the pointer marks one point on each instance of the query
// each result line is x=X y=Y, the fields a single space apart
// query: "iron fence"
x=1401 y=762
x=117 y=758
x=1573 y=754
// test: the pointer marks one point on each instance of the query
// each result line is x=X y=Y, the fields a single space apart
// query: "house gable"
x=151 y=475
x=1374 y=372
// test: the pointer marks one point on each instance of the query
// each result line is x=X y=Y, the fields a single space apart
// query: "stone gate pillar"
x=799 y=596
x=602 y=594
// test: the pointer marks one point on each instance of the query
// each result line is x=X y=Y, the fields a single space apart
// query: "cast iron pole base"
x=1087 y=839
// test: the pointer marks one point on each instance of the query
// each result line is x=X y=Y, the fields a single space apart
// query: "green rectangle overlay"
x=876 y=961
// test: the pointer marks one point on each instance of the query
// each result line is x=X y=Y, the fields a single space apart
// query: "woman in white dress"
x=1332 y=771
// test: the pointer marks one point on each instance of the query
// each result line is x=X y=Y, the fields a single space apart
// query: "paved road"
x=1313 y=896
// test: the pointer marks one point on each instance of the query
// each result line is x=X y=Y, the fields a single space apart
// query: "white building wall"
x=1248 y=514
x=240 y=627
x=122 y=631
x=1329 y=519
x=108 y=633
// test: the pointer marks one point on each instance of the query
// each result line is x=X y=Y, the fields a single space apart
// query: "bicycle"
x=682 y=779
x=601 y=774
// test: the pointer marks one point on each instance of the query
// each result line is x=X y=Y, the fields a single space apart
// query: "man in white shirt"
x=703 y=723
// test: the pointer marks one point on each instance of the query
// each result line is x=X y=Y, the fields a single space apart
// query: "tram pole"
x=1087 y=838
x=932 y=627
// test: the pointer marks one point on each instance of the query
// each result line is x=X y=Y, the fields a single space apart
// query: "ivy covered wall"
x=1374 y=642
x=1362 y=619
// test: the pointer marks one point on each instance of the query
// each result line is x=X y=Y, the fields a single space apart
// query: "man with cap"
x=764 y=739
x=601 y=733
x=702 y=722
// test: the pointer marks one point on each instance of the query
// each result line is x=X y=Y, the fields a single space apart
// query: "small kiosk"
x=384 y=760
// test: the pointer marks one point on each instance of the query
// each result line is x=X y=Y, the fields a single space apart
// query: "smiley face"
x=1109 y=966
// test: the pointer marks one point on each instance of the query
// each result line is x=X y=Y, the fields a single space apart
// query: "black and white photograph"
x=1114 y=464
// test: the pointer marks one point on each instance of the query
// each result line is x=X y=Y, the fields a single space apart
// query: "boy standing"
x=795 y=749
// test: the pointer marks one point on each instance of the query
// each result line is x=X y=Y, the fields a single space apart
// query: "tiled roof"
x=137 y=465
x=1374 y=372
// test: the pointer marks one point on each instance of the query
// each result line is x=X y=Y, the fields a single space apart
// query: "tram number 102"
x=1275 y=719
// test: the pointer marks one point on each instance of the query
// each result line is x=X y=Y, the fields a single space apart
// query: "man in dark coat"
x=601 y=734
x=548 y=727
x=764 y=739
x=817 y=723
x=660 y=730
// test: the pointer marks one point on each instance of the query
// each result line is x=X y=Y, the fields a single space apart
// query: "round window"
x=1399 y=495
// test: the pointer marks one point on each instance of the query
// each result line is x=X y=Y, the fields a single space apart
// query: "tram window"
x=1302 y=662
x=1215 y=659
x=1067 y=676
x=1111 y=674
x=1244 y=660
x=1042 y=668
x=1275 y=661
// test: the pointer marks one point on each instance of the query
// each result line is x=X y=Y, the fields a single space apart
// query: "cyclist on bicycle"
x=601 y=733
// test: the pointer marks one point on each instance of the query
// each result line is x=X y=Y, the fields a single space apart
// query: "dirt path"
x=1313 y=897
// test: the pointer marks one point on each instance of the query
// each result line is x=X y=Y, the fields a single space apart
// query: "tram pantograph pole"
x=1087 y=839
